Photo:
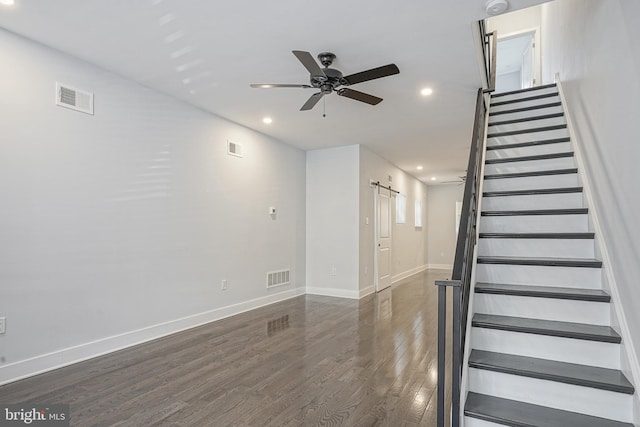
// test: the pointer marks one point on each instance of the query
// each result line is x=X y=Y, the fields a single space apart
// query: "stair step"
x=529 y=130
x=520 y=110
x=529 y=158
x=515 y=413
x=527 y=119
x=534 y=291
x=532 y=173
x=547 y=327
x=529 y=89
x=548 y=262
x=537 y=235
x=529 y=98
x=532 y=192
x=578 y=211
x=551 y=370
x=528 y=144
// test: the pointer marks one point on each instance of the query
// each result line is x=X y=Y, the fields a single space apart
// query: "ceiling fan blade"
x=312 y=101
x=309 y=63
x=359 y=96
x=372 y=74
x=270 y=85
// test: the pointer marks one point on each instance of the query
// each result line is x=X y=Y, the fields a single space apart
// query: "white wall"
x=409 y=250
x=119 y=227
x=593 y=45
x=441 y=217
x=332 y=221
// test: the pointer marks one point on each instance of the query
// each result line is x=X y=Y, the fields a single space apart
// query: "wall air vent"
x=234 y=149
x=75 y=99
x=278 y=278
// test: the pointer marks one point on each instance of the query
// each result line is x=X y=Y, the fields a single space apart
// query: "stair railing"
x=462 y=266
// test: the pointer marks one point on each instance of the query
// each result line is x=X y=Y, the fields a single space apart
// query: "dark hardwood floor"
x=308 y=361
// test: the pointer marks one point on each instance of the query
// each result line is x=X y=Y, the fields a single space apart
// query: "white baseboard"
x=367 y=291
x=440 y=266
x=68 y=356
x=333 y=292
x=396 y=278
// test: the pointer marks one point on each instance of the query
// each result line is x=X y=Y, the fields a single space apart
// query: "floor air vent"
x=278 y=278
x=75 y=99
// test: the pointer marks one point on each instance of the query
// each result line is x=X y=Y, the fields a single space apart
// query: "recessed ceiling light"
x=266 y=86
x=7 y=2
x=267 y=120
x=433 y=178
x=426 y=91
x=419 y=168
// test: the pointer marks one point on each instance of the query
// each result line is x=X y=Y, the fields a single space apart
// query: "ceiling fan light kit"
x=329 y=80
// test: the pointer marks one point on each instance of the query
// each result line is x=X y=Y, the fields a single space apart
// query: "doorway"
x=517 y=61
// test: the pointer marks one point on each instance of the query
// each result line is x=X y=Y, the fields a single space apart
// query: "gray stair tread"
x=547 y=327
x=533 y=192
x=529 y=158
x=528 y=144
x=528 y=98
x=521 y=414
x=535 y=212
x=541 y=261
x=552 y=370
x=527 y=119
x=519 y=110
x=529 y=130
x=594 y=295
x=529 y=89
x=586 y=236
x=532 y=173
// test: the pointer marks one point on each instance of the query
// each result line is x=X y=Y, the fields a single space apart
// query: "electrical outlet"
x=3 y=325
x=223 y=284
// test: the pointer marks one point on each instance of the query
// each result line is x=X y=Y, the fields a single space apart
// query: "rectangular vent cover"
x=278 y=278
x=234 y=149
x=75 y=99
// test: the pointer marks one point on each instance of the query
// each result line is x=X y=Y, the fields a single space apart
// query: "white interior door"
x=383 y=241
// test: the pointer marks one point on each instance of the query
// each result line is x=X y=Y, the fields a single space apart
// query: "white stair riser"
x=474 y=422
x=534 y=223
x=529 y=124
x=535 y=201
x=594 y=313
x=530 y=165
x=566 y=277
x=582 y=352
x=525 y=114
x=526 y=137
x=561 y=248
x=527 y=94
x=532 y=182
x=534 y=150
x=523 y=104
x=585 y=400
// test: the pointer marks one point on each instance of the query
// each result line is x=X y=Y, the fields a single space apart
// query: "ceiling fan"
x=330 y=80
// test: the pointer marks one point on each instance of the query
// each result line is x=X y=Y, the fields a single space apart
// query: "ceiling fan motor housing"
x=332 y=80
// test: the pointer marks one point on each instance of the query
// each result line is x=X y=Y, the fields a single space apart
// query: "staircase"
x=543 y=351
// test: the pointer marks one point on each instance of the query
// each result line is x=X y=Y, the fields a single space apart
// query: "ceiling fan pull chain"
x=324 y=107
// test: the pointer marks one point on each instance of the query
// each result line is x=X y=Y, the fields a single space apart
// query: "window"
x=401 y=209
x=418 y=213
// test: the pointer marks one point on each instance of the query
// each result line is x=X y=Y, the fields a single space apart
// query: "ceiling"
x=208 y=52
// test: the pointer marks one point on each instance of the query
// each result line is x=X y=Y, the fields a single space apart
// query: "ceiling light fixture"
x=7 y=2
x=267 y=120
x=419 y=168
x=433 y=178
x=426 y=91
